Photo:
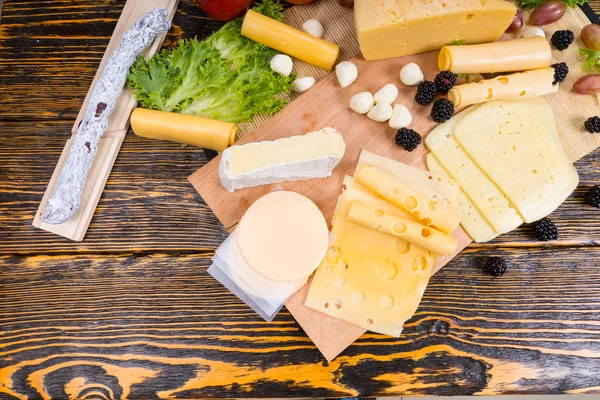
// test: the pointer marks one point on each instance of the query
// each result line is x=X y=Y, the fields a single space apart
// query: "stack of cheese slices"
x=390 y=223
x=277 y=245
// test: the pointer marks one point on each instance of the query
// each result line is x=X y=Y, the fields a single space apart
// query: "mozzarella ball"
x=282 y=64
x=346 y=73
x=411 y=74
x=387 y=94
x=362 y=102
x=301 y=85
x=380 y=112
x=401 y=117
x=313 y=27
x=531 y=32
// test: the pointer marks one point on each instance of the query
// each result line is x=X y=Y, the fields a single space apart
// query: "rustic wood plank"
x=164 y=323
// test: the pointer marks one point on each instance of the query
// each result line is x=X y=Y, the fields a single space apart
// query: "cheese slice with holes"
x=516 y=145
x=471 y=220
x=431 y=212
x=369 y=278
x=489 y=200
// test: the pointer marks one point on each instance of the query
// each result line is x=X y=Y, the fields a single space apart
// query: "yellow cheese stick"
x=413 y=232
x=284 y=38
x=513 y=87
x=181 y=128
x=432 y=213
x=508 y=56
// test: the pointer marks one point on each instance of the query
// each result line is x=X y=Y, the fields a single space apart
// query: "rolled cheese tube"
x=508 y=56
x=431 y=212
x=284 y=38
x=513 y=87
x=413 y=232
x=181 y=128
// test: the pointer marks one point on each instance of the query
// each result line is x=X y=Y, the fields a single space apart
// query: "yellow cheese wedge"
x=513 y=87
x=488 y=199
x=516 y=145
x=506 y=56
x=413 y=232
x=432 y=213
x=284 y=38
x=369 y=278
x=472 y=220
x=392 y=28
x=435 y=186
x=181 y=128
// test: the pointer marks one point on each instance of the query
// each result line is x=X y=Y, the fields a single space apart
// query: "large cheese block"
x=369 y=278
x=392 y=28
x=516 y=145
x=489 y=200
x=472 y=220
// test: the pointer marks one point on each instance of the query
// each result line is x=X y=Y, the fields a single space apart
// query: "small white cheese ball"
x=282 y=64
x=531 y=32
x=387 y=94
x=381 y=112
x=313 y=27
x=346 y=73
x=362 y=102
x=301 y=85
x=411 y=74
x=401 y=117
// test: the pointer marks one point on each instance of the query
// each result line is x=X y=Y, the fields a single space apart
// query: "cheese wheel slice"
x=432 y=213
x=507 y=56
x=284 y=38
x=516 y=145
x=513 y=87
x=428 y=238
x=187 y=129
x=284 y=236
x=471 y=220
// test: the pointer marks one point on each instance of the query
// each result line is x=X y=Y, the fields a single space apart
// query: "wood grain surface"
x=131 y=312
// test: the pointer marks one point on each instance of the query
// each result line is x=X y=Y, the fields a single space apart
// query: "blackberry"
x=561 y=70
x=592 y=125
x=444 y=81
x=592 y=197
x=545 y=229
x=408 y=139
x=425 y=92
x=442 y=110
x=562 y=39
x=495 y=266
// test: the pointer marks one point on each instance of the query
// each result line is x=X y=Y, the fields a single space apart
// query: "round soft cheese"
x=283 y=235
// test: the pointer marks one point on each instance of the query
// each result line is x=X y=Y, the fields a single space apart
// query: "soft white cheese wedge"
x=313 y=155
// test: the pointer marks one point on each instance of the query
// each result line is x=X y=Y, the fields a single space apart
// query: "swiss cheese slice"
x=472 y=220
x=516 y=145
x=392 y=28
x=484 y=194
x=435 y=186
x=431 y=212
x=369 y=278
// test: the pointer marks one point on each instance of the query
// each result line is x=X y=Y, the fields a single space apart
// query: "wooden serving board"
x=326 y=104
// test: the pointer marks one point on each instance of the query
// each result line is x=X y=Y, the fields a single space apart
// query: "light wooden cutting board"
x=326 y=104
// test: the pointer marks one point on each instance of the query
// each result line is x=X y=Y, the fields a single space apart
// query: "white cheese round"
x=283 y=236
x=401 y=117
x=411 y=74
x=387 y=94
x=282 y=64
x=301 y=85
x=362 y=102
x=313 y=27
x=346 y=73
x=381 y=112
x=531 y=32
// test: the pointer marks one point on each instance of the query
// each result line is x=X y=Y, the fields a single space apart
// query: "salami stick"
x=67 y=197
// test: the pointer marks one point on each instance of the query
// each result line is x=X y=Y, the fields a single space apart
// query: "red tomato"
x=224 y=10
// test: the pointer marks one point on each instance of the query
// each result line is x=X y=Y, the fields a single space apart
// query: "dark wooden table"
x=131 y=311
